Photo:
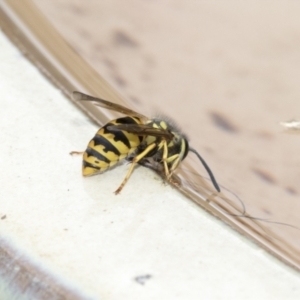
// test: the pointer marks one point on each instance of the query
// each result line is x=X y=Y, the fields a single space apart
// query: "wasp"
x=141 y=140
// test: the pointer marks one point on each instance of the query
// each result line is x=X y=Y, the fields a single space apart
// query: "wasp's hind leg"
x=134 y=161
x=76 y=152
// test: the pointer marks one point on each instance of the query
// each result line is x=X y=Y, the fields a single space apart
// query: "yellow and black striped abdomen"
x=110 y=146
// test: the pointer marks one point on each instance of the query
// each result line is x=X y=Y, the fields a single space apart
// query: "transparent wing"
x=78 y=96
x=143 y=129
x=229 y=207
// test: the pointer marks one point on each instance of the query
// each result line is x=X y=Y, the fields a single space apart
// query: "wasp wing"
x=143 y=129
x=78 y=96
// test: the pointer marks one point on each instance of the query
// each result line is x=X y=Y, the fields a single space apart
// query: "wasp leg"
x=165 y=157
x=176 y=162
x=174 y=159
x=135 y=160
x=76 y=152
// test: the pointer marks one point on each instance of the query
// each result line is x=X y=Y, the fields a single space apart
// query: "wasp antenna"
x=211 y=175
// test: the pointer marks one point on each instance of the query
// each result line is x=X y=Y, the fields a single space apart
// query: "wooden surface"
x=227 y=72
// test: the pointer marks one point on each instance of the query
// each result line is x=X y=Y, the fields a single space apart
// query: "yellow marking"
x=150 y=139
x=175 y=164
x=161 y=144
x=171 y=158
x=112 y=163
x=134 y=162
x=182 y=148
x=163 y=125
x=132 y=138
x=180 y=156
x=122 y=156
x=88 y=171
x=95 y=161
x=165 y=157
x=100 y=149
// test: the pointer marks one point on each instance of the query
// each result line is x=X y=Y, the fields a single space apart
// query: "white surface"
x=80 y=231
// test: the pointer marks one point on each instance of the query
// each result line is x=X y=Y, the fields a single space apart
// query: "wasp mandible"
x=138 y=139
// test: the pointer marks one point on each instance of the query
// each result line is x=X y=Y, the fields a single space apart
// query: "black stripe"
x=89 y=165
x=91 y=152
x=125 y=120
x=141 y=138
x=186 y=149
x=118 y=135
x=101 y=140
x=129 y=120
